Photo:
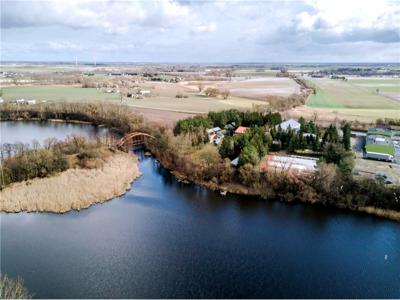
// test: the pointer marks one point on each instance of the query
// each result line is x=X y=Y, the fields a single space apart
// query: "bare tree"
x=225 y=94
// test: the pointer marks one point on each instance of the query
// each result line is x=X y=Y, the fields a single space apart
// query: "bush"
x=211 y=92
x=13 y=288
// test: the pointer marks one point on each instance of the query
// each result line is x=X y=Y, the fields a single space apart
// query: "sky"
x=202 y=31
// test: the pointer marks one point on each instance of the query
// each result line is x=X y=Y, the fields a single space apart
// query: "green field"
x=384 y=85
x=380 y=149
x=57 y=93
x=255 y=73
x=341 y=94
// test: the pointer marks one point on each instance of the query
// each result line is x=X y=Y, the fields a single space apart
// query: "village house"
x=215 y=135
x=240 y=130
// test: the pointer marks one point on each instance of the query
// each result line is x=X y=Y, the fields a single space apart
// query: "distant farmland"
x=57 y=93
x=340 y=94
x=353 y=100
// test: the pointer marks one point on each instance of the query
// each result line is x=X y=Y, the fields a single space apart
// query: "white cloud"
x=63 y=45
x=214 y=30
x=110 y=16
x=205 y=28
x=356 y=20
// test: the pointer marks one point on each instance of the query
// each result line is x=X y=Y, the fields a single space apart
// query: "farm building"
x=291 y=123
x=240 y=130
x=289 y=163
x=215 y=135
x=379 y=144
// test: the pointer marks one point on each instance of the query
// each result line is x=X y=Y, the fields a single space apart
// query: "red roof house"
x=241 y=130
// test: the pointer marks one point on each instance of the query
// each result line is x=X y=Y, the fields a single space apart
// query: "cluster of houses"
x=26 y=101
x=216 y=134
x=7 y=74
x=136 y=93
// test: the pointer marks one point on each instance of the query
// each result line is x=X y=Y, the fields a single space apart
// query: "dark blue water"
x=168 y=239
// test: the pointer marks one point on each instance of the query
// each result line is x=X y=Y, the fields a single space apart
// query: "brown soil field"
x=73 y=189
x=164 y=117
x=254 y=88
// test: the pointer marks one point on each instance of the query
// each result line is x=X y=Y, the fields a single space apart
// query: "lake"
x=166 y=239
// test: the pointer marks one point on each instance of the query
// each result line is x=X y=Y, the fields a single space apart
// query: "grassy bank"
x=73 y=189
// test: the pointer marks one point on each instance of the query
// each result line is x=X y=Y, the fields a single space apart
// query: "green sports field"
x=57 y=93
x=380 y=149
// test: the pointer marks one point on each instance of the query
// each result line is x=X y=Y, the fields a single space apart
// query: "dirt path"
x=73 y=189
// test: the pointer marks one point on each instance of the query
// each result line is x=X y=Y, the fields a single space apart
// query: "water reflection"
x=168 y=239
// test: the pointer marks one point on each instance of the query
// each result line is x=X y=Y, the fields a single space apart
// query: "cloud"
x=62 y=46
x=214 y=30
x=349 y=21
x=110 y=16
x=205 y=28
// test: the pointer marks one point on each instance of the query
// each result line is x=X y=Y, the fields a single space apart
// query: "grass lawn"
x=380 y=149
x=57 y=93
x=340 y=94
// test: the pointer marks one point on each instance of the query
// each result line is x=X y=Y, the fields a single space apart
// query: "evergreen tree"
x=249 y=155
x=346 y=136
x=227 y=148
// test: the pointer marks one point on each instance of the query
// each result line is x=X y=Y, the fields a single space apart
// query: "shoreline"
x=73 y=189
x=245 y=191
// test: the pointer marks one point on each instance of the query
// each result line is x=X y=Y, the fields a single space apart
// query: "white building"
x=291 y=123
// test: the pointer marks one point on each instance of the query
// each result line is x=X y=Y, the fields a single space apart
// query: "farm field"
x=371 y=84
x=193 y=104
x=328 y=115
x=57 y=93
x=340 y=94
x=255 y=88
x=255 y=73
x=40 y=68
x=384 y=86
x=163 y=97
